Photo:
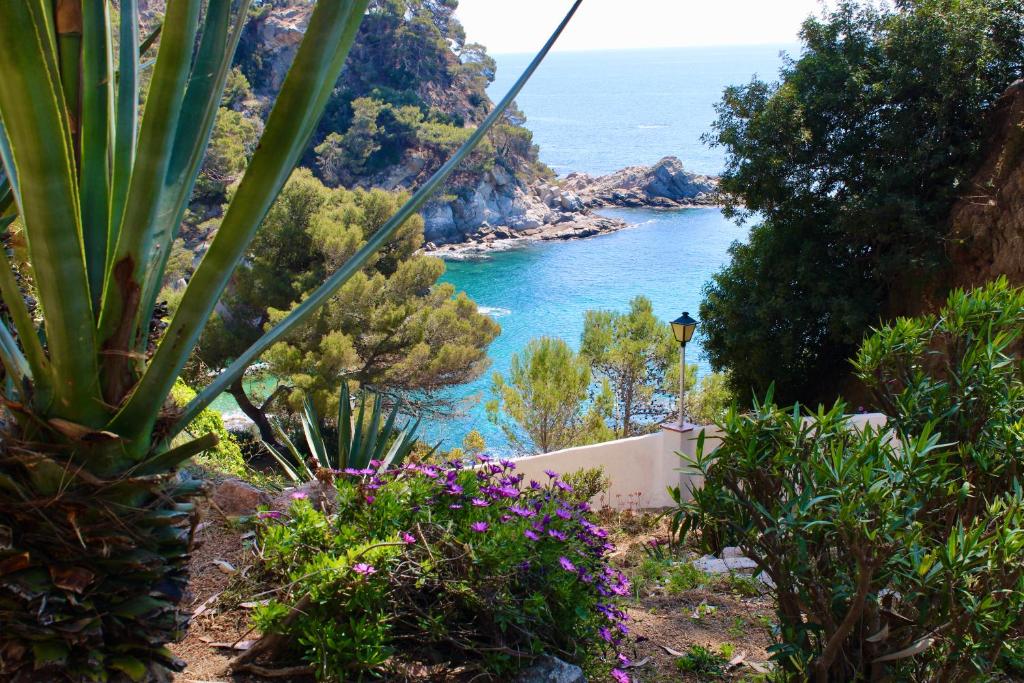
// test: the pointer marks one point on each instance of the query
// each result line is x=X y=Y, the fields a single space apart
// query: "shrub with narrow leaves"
x=472 y=566
x=897 y=551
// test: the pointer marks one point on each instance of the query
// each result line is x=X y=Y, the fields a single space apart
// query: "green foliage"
x=226 y=457
x=366 y=441
x=708 y=402
x=438 y=562
x=635 y=353
x=391 y=326
x=473 y=443
x=851 y=163
x=888 y=545
x=588 y=484
x=542 y=403
x=232 y=143
x=703 y=661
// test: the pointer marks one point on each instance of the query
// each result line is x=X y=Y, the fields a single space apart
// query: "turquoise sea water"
x=598 y=112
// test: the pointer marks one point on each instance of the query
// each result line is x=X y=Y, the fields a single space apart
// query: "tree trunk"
x=256 y=414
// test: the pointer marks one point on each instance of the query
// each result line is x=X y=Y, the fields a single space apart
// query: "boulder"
x=236 y=498
x=551 y=670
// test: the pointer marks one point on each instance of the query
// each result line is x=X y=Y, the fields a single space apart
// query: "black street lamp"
x=683 y=328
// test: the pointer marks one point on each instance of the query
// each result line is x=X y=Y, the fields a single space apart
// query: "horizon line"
x=648 y=48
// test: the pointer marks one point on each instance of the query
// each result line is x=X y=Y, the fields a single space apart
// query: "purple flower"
x=507 y=464
x=551 y=474
x=375 y=463
x=566 y=564
x=272 y=514
x=532 y=535
x=480 y=502
x=535 y=485
x=479 y=527
x=351 y=470
x=364 y=569
x=555 y=533
x=620 y=676
x=562 y=485
x=407 y=538
x=483 y=459
x=370 y=499
x=455 y=506
x=563 y=513
x=521 y=511
x=298 y=495
x=624 y=660
x=453 y=489
x=605 y=634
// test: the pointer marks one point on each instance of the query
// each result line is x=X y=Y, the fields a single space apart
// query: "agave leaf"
x=355 y=446
x=296 y=454
x=285 y=465
x=389 y=428
x=344 y=425
x=125 y=272
x=26 y=329
x=126 y=119
x=314 y=438
x=173 y=457
x=302 y=312
x=36 y=124
x=97 y=102
x=304 y=94
x=199 y=111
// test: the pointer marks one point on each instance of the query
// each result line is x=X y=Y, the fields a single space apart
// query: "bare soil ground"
x=667 y=622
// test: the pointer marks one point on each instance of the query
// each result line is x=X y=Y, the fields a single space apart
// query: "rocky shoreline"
x=502 y=215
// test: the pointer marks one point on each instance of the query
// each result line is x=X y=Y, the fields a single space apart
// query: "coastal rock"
x=664 y=185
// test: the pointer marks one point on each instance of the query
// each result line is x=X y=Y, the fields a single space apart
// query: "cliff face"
x=986 y=235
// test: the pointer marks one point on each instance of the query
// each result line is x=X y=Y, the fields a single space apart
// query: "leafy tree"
x=851 y=163
x=543 y=403
x=635 y=353
x=391 y=326
x=232 y=143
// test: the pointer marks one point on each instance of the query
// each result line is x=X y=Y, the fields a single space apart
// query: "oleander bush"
x=897 y=551
x=475 y=567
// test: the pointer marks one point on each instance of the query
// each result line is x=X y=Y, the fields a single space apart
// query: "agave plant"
x=364 y=441
x=95 y=527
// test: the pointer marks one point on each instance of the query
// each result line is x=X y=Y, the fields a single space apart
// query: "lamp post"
x=683 y=328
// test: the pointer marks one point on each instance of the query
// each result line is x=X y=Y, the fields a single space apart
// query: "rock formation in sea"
x=666 y=185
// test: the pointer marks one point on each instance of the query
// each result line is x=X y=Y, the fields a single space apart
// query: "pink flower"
x=370 y=499
x=298 y=495
x=567 y=565
x=272 y=514
x=480 y=502
x=407 y=538
x=620 y=676
x=364 y=569
x=531 y=535
x=479 y=527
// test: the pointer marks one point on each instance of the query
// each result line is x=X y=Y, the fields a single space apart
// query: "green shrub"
x=702 y=661
x=226 y=457
x=588 y=483
x=896 y=551
x=440 y=564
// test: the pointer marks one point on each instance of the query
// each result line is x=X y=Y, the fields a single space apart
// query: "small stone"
x=731 y=551
x=236 y=498
x=709 y=564
x=765 y=579
x=551 y=670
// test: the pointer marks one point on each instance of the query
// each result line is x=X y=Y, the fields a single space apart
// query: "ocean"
x=598 y=112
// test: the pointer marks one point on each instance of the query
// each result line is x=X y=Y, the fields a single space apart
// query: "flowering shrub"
x=475 y=567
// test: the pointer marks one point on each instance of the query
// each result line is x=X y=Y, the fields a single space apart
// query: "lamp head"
x=683 y=328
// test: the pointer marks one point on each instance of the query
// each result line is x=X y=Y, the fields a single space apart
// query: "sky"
x=506 y=26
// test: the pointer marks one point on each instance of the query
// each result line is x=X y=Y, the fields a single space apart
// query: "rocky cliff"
x=986 y=235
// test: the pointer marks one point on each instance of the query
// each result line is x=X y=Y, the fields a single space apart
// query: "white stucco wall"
x=642 y=468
